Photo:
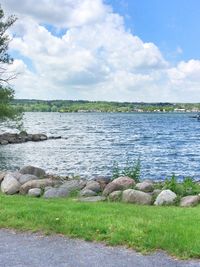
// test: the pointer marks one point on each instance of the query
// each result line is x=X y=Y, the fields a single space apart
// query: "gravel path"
x=35 y=250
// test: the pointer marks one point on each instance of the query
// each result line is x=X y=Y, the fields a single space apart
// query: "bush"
x=132 y=170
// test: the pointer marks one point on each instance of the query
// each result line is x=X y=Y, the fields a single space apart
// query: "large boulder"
x=40 y=183
x=145 y=186
x=87 y=193
x=27 y=177
x=56 y=193
x=166 y=197
x=115 y=196
x=120 y=183
x=34 y=192
x=136 y=197
x=92 y=199
x=103 y=181
x=189 y=201
x=33 y=171
x=94 y=186
x=10 y=185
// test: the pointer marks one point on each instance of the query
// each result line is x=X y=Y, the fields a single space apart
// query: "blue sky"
x=170 y=24
x=115 y=50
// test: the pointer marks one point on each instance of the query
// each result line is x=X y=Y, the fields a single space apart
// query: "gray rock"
x=94 y=186
x=137 y=197
x=4 y=142
x=56 y=193
x=87 y=193
x=189 y=201
x=32 y=170
x=27 y=177
x=120 y=183
x=115 y=196
x=73 y=185
x=92 y=199
x=145 y=186
x=166 y=197
x=10 y=185
x=156 y=192
x=40 y=183
x=34 y=192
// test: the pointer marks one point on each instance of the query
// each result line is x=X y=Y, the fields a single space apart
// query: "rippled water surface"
x=165 y=143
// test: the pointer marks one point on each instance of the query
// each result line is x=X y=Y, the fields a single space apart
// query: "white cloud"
x=96 y=59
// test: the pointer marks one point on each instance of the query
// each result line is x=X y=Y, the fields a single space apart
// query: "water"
x=165 y=143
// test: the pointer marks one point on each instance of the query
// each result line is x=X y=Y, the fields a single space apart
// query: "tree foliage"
x=6 y=93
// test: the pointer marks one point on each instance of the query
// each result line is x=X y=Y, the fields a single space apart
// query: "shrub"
x=132 y=170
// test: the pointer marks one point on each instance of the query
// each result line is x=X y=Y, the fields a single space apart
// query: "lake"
x=91 y=142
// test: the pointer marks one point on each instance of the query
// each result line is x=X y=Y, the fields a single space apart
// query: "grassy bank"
x=144 y=228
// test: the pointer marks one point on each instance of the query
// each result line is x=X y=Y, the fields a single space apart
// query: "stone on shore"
x=92 y=199
x=56 y=193
x=136 y=197
x=74 y=185
x=94 y=186
x=33 y=171
x=10 y=185
x=34 y=192
x=166 y=197
x=190 y=201
x=115 y=196
x=145 y=186
x=40 y=183
x=120 y=183
x=87 y=193
x=27 y=177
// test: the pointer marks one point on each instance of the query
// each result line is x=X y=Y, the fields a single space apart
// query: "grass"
x=144 y=228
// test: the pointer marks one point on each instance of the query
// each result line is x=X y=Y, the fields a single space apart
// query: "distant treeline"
x=31 y=105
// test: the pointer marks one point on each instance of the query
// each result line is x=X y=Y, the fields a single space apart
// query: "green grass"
x=144 y=228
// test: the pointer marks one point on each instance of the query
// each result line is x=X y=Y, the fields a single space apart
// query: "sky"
x=114 y=50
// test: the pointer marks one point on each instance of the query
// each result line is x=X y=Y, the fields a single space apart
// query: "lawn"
x=143 y=228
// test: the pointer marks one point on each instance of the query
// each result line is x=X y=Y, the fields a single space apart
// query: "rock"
x=145 y=186
x=94 y=186
x=34 y=192
x=10 y=185
x=103 y=181
x=2 y=175
x=27 y=177
x=55 y=137
x=156 y=192
x=120 y=183
x=166 y=197
x=35 y=137
x=137 y=197
x=4 y=142
x=92 y=199
x=189 y=201
x=43 y=137
x=87 y=193
x=40 y=183
x=115 y=196
x=56 y=193
x=73 y=185
x=32 y=170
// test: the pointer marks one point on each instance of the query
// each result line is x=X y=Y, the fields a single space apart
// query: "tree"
x=6 y=93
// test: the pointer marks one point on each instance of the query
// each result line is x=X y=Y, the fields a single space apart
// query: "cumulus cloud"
x=96 y=58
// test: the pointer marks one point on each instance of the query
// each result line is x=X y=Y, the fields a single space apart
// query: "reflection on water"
x=166 y=144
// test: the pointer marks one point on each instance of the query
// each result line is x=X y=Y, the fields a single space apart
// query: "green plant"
x=173 y=185
x=132 y=170
x=190 y=187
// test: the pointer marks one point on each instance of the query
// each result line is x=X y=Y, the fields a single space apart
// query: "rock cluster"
x=34 y=182
x=14 y=138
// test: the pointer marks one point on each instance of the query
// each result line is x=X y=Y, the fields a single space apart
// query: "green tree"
x=6 y=93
